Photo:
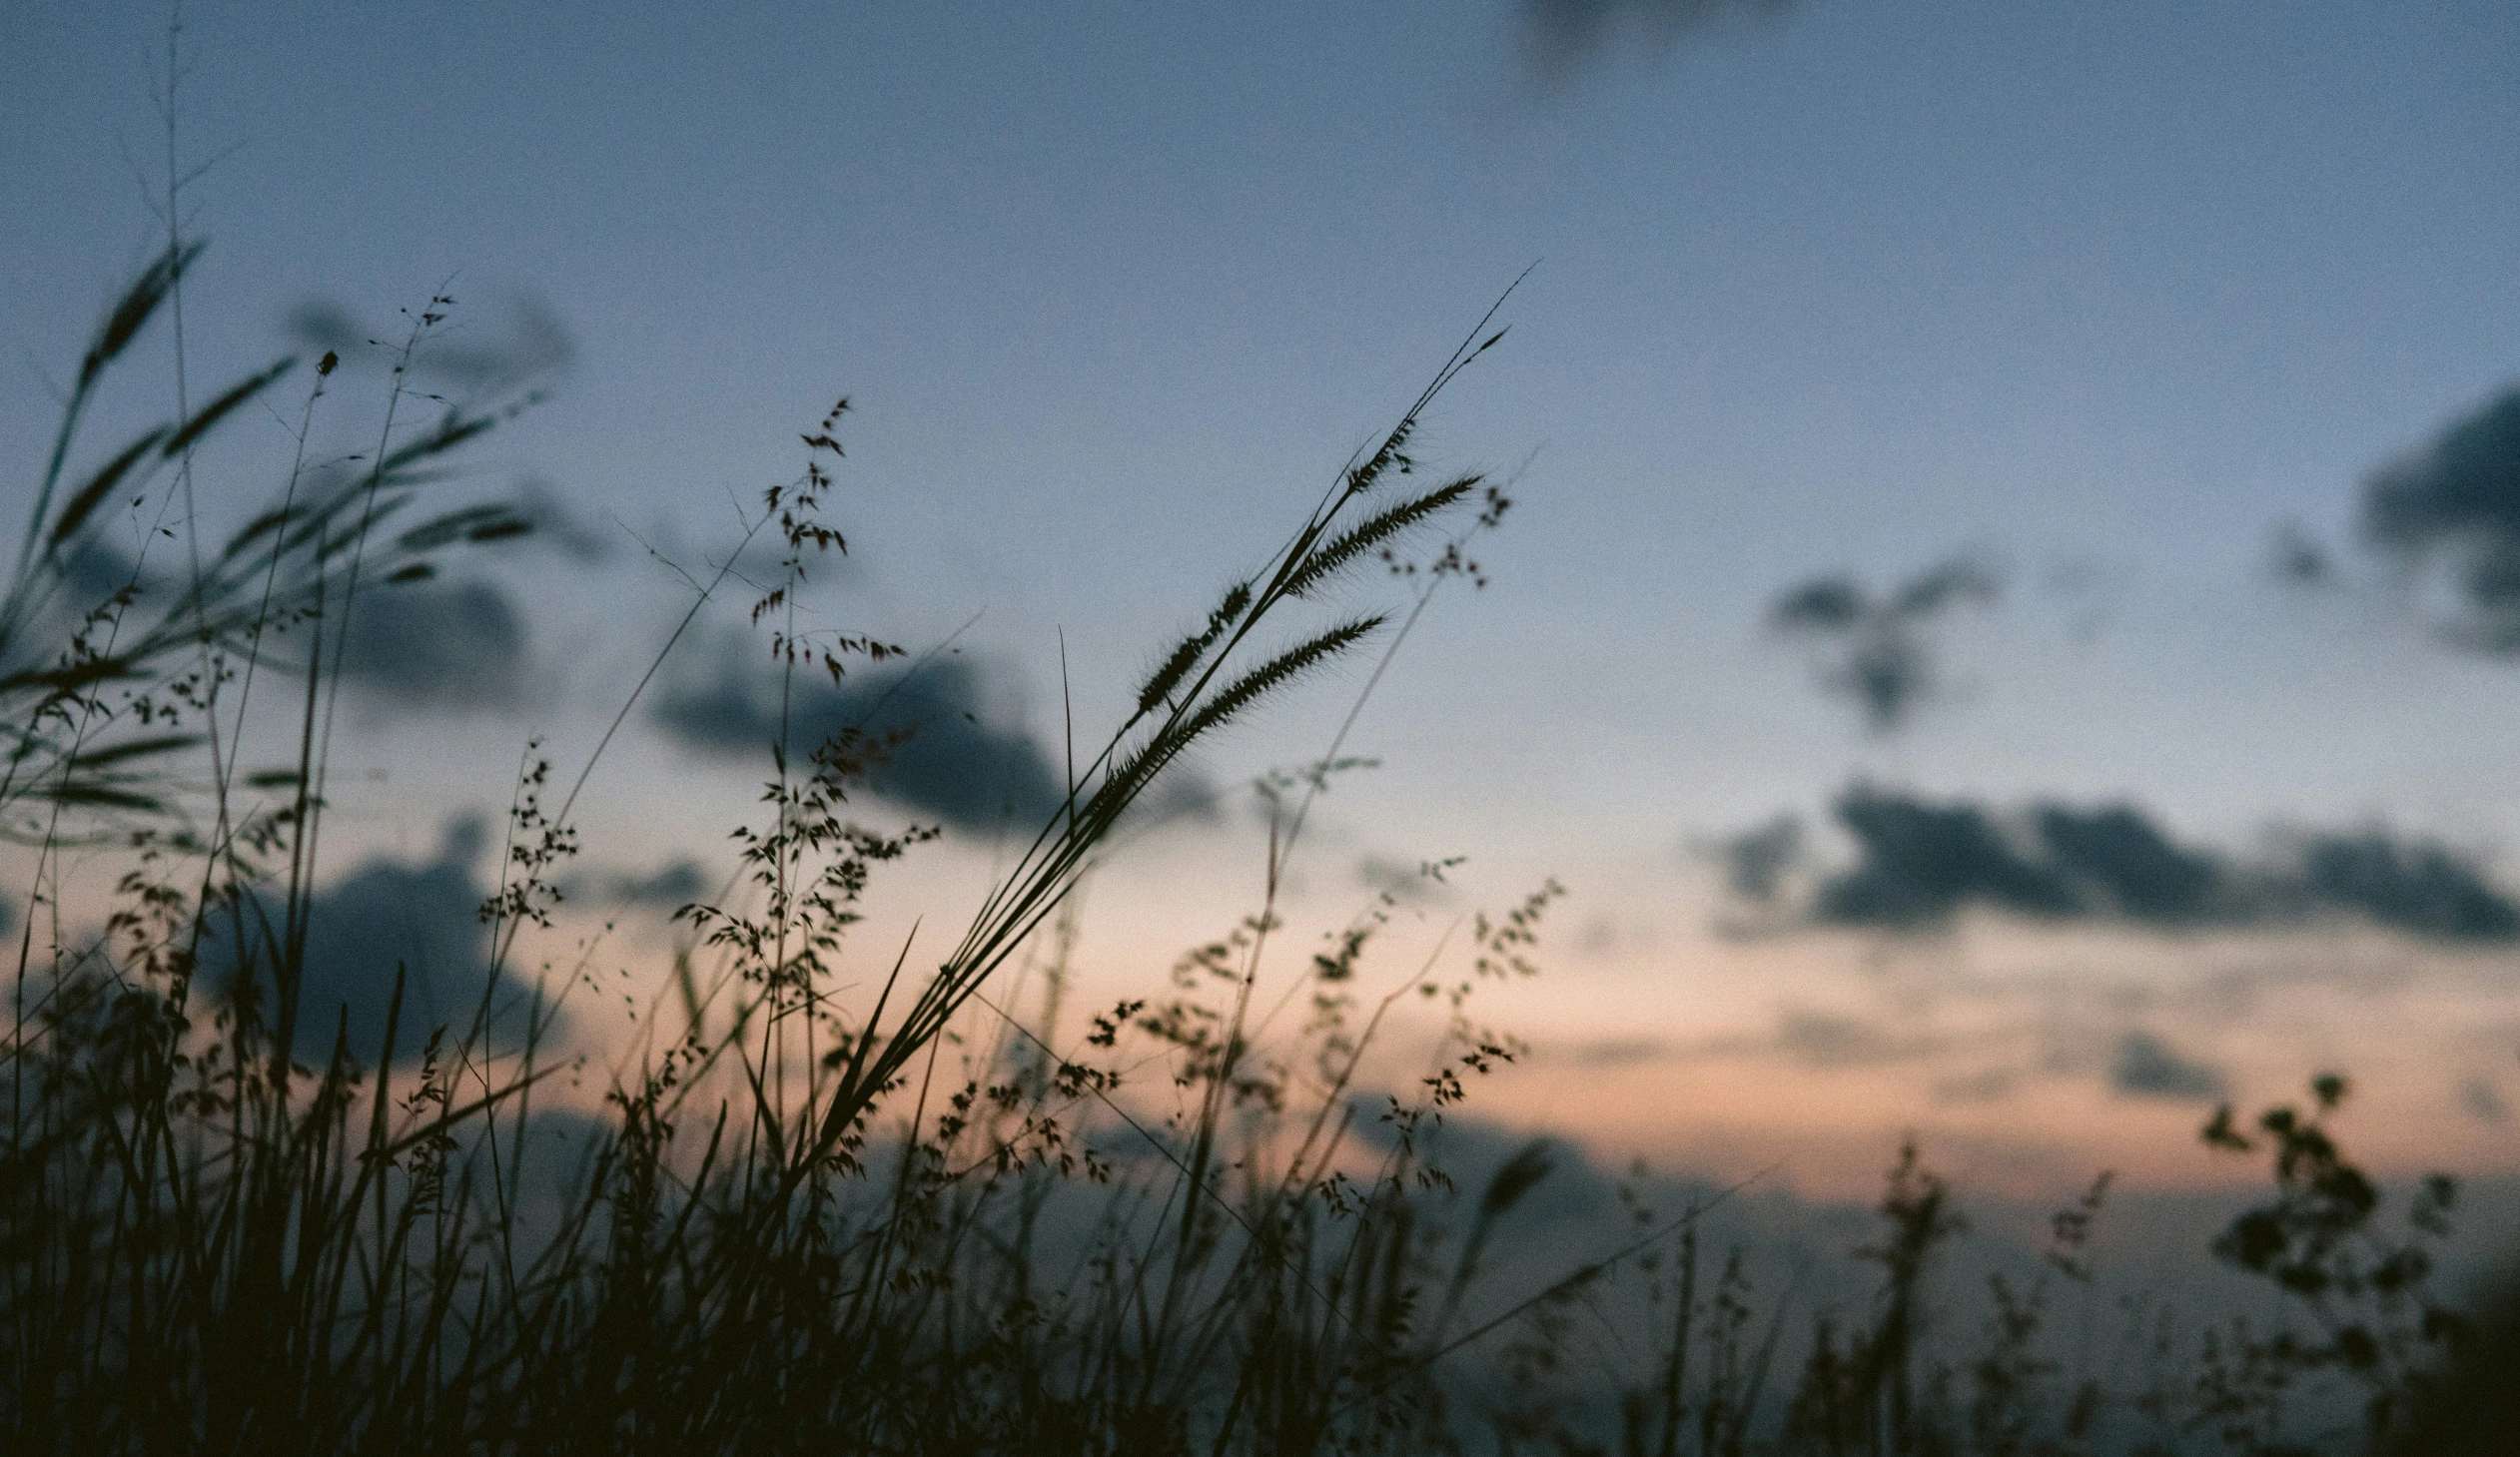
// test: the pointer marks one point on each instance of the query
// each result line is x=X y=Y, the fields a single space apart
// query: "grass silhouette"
x=905 y=1220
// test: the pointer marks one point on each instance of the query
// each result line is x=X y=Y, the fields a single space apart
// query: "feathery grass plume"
x=1186 y=657
x=1269 y=677
x=139 y=302
x=1193 y=704
x=131 y=312
x=277 y=569
x=1375 y=532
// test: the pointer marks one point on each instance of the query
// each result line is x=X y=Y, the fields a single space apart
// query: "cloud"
x=1562 y=37
x=1756 y=862
x=1818 y=1041
x=1475 y=1151
x=2296 y=558
x=1970 y=1059
x=956 y=765
x=1919 y=863
x=2116 y=854
x=1993 y=1084
x=424 y=918
x=1875 y=649
x=1603 y=1053
x=1825 y=1040
x=436 y=646
x=559 y=1146
x=558 y=525
x=2146 y=1067
x=1403 y=884
x=2089 y=591
x=669 y=887
x=518 y=340
x=93 y=571
x=2420 y=888
x=2481 y=1101
x=2456 y=503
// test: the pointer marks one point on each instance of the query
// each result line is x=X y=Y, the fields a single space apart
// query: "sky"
x=2000 y=631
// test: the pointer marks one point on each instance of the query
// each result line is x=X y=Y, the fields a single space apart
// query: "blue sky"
x=2100 y=296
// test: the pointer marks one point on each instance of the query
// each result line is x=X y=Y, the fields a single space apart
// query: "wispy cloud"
x=2296 y=558
x=1758 y=861
x=1561 y=38
x=2483 y=1102
x=2146 y=1067
x=669 y=888
x=1877 y=650
x=1829 y=1041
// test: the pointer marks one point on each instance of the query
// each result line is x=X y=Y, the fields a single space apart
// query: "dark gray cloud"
x=436 y=646
x=669 y=887
x=1475 y=1151
x=93 y=571
x=2420 y=888
x=2455 y=504
x=2480 y=1100
x=1971 y=1061
x=1756 y=862
x=957 y=765
x=1877 y=649
x=558 y=525
x=420 y=644
x=1182 y=794
x=518 y=338
x=1918 y=862
x=1562 y=37
x=2298 y=560
x=424 y=918
x=559 y=1146
x=2119 y=856
x=2146 y=1067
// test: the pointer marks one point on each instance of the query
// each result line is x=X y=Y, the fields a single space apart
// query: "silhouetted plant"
x=836 y=1202
x=2366 y=1288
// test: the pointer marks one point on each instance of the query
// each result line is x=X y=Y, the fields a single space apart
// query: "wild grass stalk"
x=903 y=1220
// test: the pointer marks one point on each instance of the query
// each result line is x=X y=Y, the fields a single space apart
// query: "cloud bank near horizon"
x=1919 y=863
